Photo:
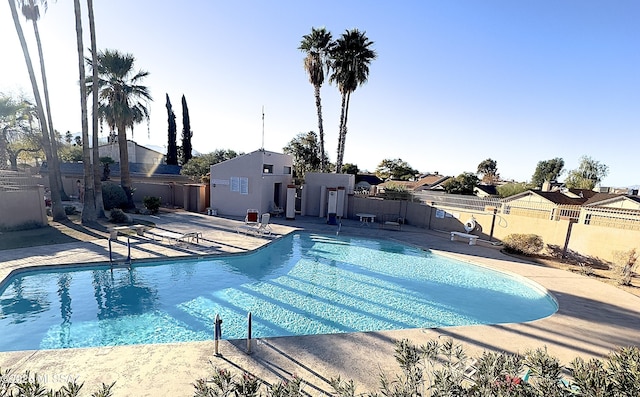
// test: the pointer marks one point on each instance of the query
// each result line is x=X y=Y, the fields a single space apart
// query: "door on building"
x=277 y=192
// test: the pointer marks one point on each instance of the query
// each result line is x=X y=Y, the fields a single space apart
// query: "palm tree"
x=31 y=11
x=97 y=172
x=317 y=46
x=57 y=208
x=350 y=60
x=89 y=205
x=122 y=103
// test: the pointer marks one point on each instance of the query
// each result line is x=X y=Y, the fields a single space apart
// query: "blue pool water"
x=302 y=284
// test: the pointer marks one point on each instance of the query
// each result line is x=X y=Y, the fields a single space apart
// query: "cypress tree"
x=172 y=148
x=186 y=133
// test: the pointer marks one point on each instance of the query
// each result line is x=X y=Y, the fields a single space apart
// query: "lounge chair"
x=261 y=228
x=275 y=210
x=252 y=217
x=392 y=221
x=264 y=227
x=175 y=238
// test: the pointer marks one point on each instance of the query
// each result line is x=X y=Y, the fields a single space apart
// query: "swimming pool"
x=301 y=284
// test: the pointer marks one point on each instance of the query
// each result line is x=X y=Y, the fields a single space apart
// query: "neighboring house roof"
x=428 y=182
x=486 y=190
x=432 y=181
x=599 y=198
x=554 y=197
x=605 y=199
x=371 y=179
x=558 y=197
x=580 y=193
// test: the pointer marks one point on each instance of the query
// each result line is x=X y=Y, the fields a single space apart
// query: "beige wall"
x=171 y=193
x=169 y=188
x=22 y=208
x=588 y=240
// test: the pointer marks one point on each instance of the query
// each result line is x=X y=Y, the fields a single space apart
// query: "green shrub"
x=118 y=216
x=442 y=368
x=113 y=196
x=223 y=383
x=524 y=244
x=152 y=204
x=395 y=191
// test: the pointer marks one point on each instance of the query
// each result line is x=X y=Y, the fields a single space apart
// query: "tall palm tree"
x=31 y=11
x=57 y=208
x=97 y=175
x=122 y=103
x=317 y=46
x=89 y=205
x=350 y=60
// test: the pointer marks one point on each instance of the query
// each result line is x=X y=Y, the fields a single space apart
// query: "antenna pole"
x=262 y=127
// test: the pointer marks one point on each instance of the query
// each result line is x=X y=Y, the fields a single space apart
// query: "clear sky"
x=455 y=82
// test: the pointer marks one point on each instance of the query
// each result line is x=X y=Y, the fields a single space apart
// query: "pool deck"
x=593 y=317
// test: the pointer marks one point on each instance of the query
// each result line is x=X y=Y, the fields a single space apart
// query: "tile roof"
x=599 y=197
x=371 y=179
x=557 y=197
x=488 y=189
x=585 y=193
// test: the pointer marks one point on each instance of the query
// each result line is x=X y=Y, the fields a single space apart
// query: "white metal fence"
x=611 y=217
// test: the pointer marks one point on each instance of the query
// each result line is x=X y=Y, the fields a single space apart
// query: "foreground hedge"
x=436 y=369
x=443 y=369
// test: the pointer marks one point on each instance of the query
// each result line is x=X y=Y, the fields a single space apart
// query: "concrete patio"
x=593 y=317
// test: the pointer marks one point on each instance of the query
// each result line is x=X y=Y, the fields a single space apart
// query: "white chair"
x=276 y=210
x=261 y=228
x=179 y=237
x=392 y=221
x=264 y=227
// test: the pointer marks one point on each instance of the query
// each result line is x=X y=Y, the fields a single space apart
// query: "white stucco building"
x=256 y=180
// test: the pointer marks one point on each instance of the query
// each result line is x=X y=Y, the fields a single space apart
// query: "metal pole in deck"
x=217 y=332
x=249 y=333
x=128 y=250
